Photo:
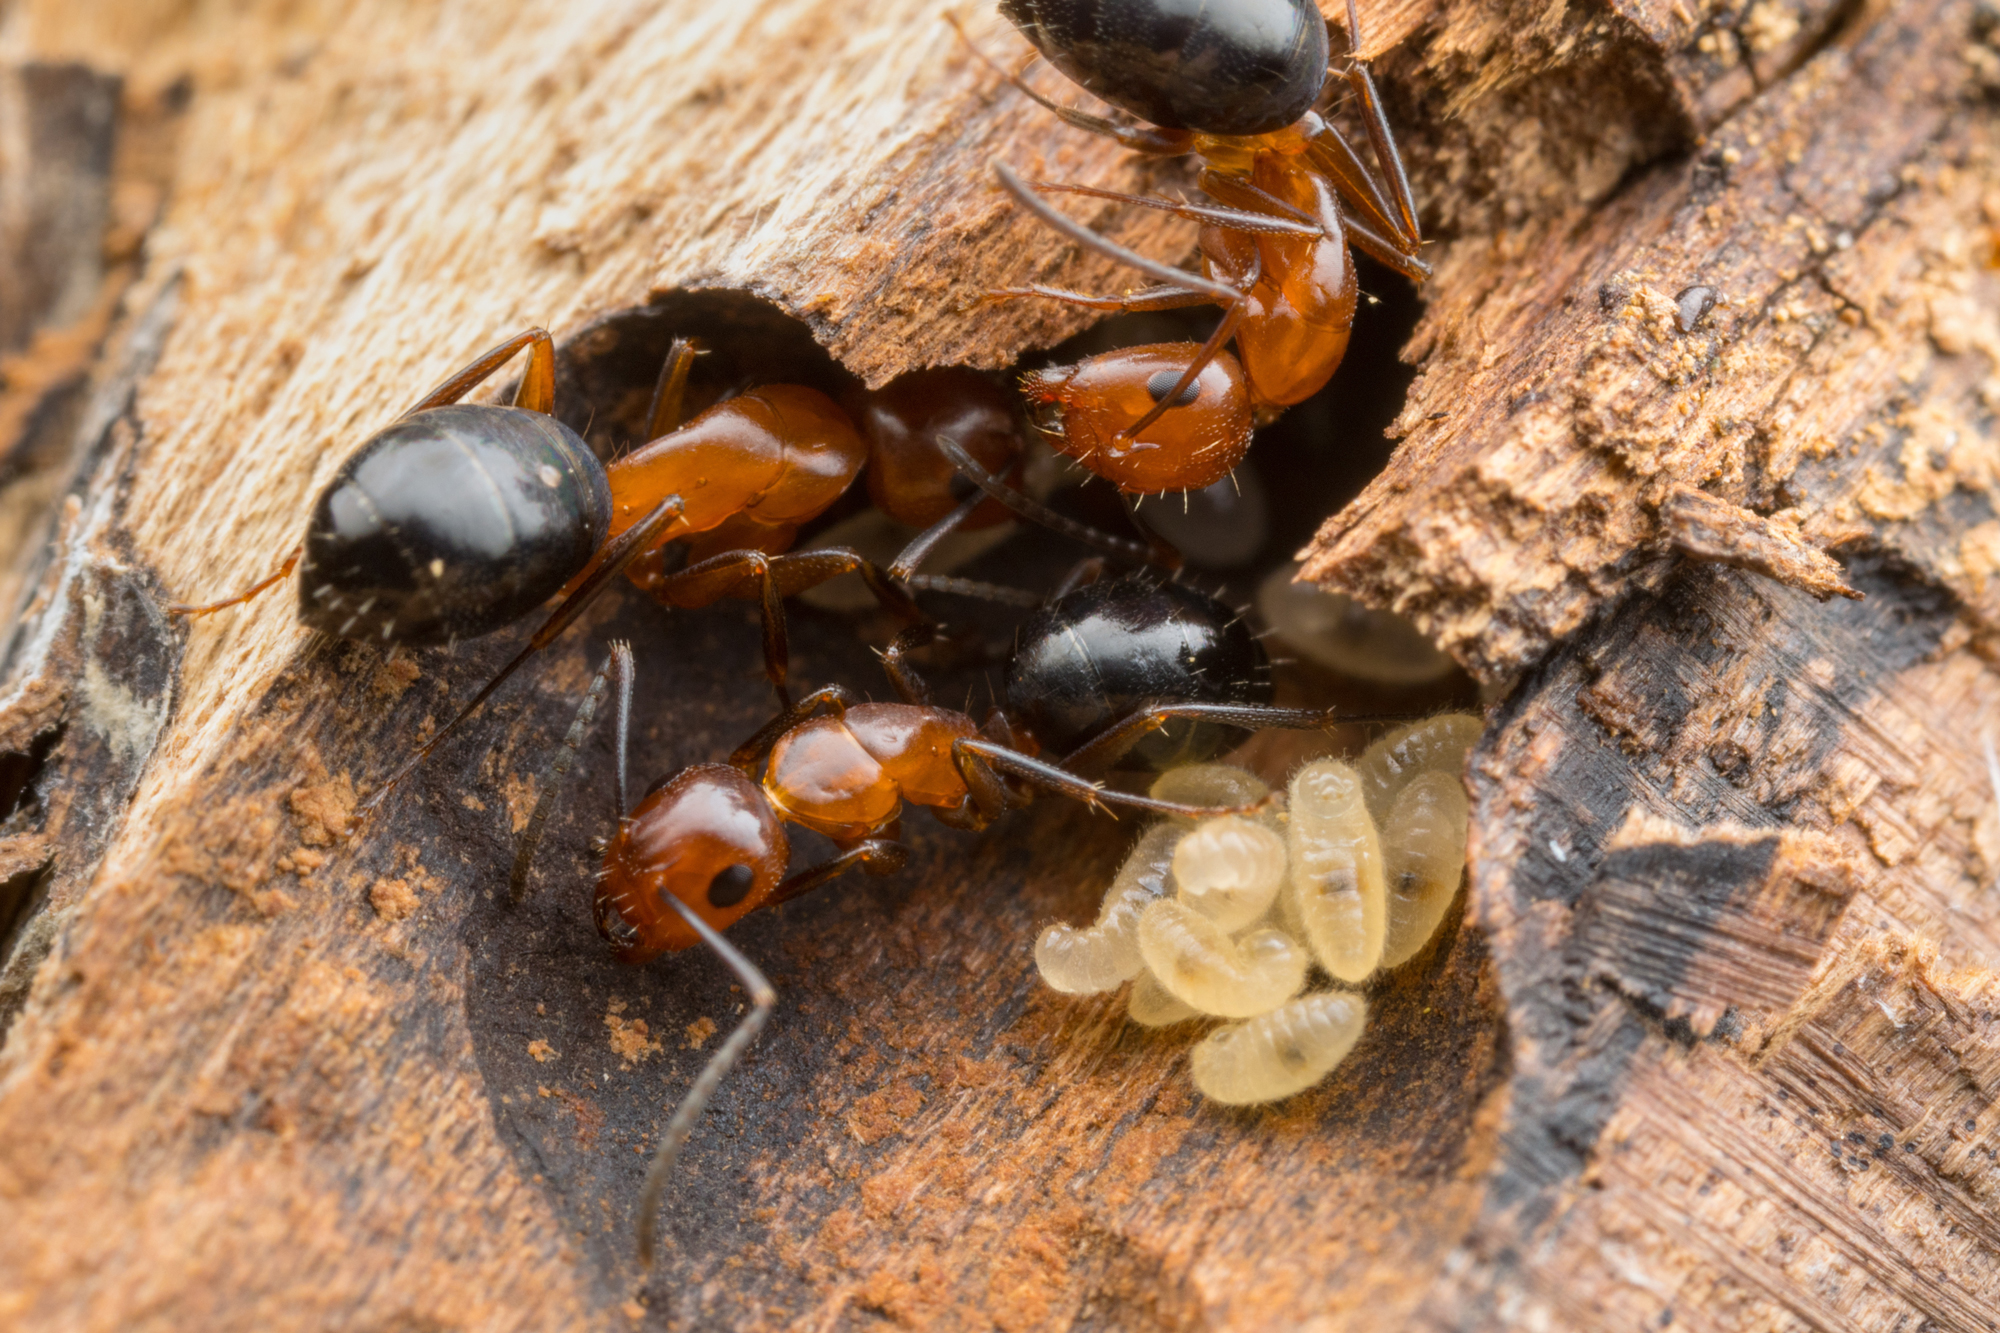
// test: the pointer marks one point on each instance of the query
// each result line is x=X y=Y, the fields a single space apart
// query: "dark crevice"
x=19 y=772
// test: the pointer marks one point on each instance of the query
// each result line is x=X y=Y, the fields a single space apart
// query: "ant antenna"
x=762 y=999
x=555 y=776
x=1041 y=513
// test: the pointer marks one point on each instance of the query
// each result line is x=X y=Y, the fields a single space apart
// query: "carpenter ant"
x=1101 y=649
x=1233 y=85
x=458 y=519
x=706 y=847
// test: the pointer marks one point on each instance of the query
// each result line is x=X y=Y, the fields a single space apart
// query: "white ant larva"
x=1197 y=962
x=1208 y=784
x=1230 y=870
x=1105 y=955
x=1150 y=1006
x=1424 y=842
x=1437 y=744
x=1279 y=1053
x=1337 y=896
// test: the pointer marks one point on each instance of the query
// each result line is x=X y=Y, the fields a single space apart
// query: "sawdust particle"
x=629 y=1039
x=394 y=899
x=698 y=1033
x=323 y=810
x=392 y=678
x=883 y=1112
x=542 y=1051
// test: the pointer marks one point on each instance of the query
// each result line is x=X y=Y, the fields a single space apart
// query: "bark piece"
x=1560 y=403
x=1705 y=528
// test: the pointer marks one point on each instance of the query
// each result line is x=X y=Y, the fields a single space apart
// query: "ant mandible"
x=707 y=846
x=1234 y=86
x=458 y=519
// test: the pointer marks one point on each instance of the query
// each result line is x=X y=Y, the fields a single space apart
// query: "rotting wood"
x=266 y=1078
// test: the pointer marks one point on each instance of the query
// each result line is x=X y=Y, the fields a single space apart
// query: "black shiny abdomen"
x=1097 y=654
x=1216 y=66
x=450 y=524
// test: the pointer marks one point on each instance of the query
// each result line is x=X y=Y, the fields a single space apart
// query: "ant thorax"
x=1234 y=916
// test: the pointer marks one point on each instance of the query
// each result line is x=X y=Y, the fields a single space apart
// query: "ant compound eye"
x=1161 y=381
x=730 y=886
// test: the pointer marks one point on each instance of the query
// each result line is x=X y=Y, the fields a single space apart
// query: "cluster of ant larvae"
x=1226 y=917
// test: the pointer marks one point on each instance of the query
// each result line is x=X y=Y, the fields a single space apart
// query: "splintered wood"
x=1698 y=475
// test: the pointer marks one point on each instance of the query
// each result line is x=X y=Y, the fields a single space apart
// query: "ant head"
x=1089 y=409
x=708 y=838
x=908 y=479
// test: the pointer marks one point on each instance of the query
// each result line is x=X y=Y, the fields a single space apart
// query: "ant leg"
x=1146 y=298
x=1037 y=511
x=1110 y=745
x=555 y=776
x=904 y=566
x=1081 y=575
x=1110 y=249
x=877 y=856
x=1379 y=135
x=1291 y=223
x=1364 y=237
x=1229 y=298
x=1330 y=151
x=619 y=552
x=284 y=571
x=663 y=415
x=909 y=686
x=837 y=699
x=538 y=386
x=1139 y=138
x=763 y=998
x=1050 y=778
x=775 y=578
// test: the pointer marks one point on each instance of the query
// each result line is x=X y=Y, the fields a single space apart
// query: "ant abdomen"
x=501 y=506
x=1247 y=67
x=1086 y=410
x=1279 y=1053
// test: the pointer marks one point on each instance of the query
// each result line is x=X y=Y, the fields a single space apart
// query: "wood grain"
x=1729 y=924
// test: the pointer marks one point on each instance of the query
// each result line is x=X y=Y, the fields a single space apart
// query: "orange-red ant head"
x=710 y=839
x=908 y=479
x=1086 y=410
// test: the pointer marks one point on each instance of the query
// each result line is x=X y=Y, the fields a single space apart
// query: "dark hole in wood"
x=18 y=772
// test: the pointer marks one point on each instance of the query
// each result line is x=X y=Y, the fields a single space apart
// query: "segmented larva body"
x=1105 y=955
x=1337 y=897
x=1279 y=1053
x=1197 y=962
x=1435 y=745
x=1369 y=859
x=1424 y=842
x=1229 y=870
x=1150 y=1006
x=1208 y=784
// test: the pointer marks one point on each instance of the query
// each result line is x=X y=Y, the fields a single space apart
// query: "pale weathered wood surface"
x=1734 y=848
